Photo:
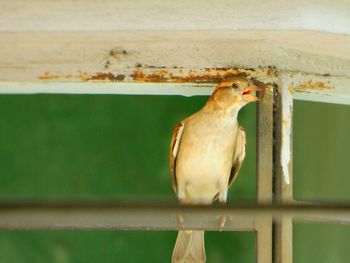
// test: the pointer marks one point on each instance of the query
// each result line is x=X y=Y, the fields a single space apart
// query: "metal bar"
x=244 y=217
x=308 y=87
x=71 y=56
x=339 y=95
x=327 y=89
x=283 y=165
x=264 y=141
x=264 y=247
x=111 y=88
x=264 y=174
x=283 y=174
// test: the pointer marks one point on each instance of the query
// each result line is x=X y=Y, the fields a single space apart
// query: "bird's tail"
x=189 y=247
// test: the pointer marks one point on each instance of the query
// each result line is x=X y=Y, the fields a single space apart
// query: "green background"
x=64 y=147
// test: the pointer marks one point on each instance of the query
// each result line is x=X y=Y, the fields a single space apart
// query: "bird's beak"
x=247 y=94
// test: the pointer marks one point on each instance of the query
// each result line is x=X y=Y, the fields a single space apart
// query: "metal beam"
x=309 y=87
x=264 y=142
x=66 y=56
x=120 y=88
x=303 y=86
x=283 y=170
x=158 y=217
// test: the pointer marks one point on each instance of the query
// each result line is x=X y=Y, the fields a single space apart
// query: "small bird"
x=206 y=152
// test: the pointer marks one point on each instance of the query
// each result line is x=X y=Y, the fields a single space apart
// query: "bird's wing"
x=238 y=155
x=174 y=148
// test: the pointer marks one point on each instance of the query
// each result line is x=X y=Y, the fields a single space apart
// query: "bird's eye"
x=234 y=86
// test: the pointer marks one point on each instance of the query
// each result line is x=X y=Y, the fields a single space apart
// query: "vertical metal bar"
x=283 y=179
x=264 y=174
x=265 y=147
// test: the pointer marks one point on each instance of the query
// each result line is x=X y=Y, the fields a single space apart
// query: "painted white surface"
x=325 y=98
x=110 y=15
x=25 y=56
x=105 y=88
x=339 y=94
x=304 y=86
x=287 y=117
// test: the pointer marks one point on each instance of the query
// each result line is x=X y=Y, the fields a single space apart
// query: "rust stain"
x=165 y=75
x=271 y=72
x=83 y=76
x=48 y=76
x=106 y=76
x=181 y=75
x=311 y=85
x=53 y=76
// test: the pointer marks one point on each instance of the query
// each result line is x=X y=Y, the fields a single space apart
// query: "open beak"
x=247 y=94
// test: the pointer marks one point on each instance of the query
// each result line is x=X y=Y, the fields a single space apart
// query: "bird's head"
x=234 y=93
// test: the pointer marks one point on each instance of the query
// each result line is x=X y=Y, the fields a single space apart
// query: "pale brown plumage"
x=206 y=152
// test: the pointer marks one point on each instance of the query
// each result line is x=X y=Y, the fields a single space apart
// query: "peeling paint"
x=204 y=75
x=287 y=115
x=165 y=75
x=83 y=76
x=311 y=85
x=106 y=77
x=57 y=76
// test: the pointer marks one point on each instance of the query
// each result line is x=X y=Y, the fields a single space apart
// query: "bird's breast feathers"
x=205 y=154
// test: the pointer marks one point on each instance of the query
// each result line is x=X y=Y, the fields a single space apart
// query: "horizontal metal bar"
x=324 y=97
x=122 y=88
x=158 y=217
x=308 y=87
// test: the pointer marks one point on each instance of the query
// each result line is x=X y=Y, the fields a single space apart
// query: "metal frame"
x=189 y=82
x=180 y=53
x=283 y=174
x=272 y=222
x=264 y=242
x=116 y=216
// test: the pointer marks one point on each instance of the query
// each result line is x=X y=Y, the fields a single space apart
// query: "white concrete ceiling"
x=65 y=41
x=108 y=15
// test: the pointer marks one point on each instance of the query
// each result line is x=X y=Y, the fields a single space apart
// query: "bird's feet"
x=222 y=221
x=181 y=221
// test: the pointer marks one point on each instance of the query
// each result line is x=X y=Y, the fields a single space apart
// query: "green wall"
x=62 y=147
x=321 y=173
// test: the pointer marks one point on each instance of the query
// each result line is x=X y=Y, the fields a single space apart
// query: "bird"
x=206 y=152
